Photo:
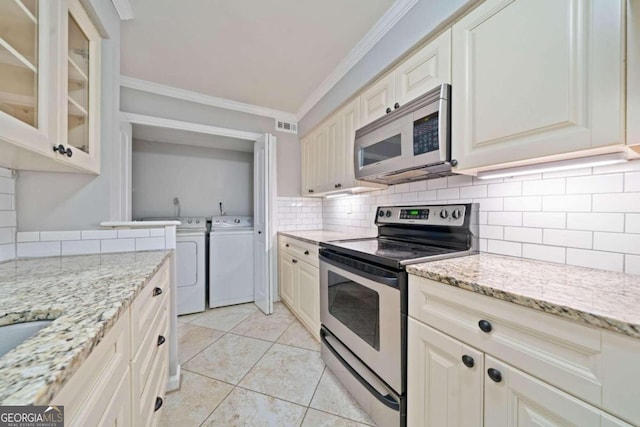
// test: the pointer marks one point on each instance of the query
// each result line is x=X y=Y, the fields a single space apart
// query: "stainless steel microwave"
x=408 y=144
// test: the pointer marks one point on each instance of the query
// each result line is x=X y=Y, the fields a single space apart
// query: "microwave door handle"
x=391 y=281
x=444 y=125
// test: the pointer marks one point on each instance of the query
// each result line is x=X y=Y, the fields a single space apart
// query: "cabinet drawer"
x=89 y=390
x=149 y=351
x=144 y=406
x=561 y=352
x=302 y=251
x=147 y=304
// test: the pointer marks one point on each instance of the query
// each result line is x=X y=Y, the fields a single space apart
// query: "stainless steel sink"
x=13 y=335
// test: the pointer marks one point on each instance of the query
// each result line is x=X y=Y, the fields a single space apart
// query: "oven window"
x=383 y=150
x=356 y=307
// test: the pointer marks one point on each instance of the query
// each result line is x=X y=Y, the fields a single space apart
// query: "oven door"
x=360 y=305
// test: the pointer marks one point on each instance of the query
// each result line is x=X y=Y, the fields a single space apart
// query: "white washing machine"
x=230 y=260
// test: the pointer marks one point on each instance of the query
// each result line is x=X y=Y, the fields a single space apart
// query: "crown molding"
x=197 y=97
x=373 y=36
x=124 y=9
x=142 y=119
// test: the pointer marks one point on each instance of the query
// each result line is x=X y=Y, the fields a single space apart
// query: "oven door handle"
x=391 y=281
x=386 y=400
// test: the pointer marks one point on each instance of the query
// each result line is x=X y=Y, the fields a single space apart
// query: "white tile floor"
x=242 y=368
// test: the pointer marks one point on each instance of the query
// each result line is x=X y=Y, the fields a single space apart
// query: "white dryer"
x=230 y=260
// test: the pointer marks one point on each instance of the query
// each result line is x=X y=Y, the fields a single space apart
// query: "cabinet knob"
x=295 y=261
x=468 y=361
x=286 y=245
x=306 y=252
x=161 y=340
x=156 y=292
x=388 y=110
x=259 y=232
x=69 y=152
x=158 y=404
x=338 y=185
x=60 y=149
x=495 y=375
x=310 y=190
x=396 y=106
x=485 y=326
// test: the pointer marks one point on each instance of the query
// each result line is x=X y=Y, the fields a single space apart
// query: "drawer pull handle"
x=485 y=326
x=295 y=261
x=388 y=110
x=468 y=361
x=286 y=245
x=495 y=375
x=159 y=403
x=157 y=291
x=396 y=106
x=306 y=252
x=161 y=340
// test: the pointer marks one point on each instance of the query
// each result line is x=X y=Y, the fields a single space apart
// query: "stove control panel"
x=449 y=215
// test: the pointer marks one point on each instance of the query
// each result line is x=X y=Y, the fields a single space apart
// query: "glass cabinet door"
x=19 y=60
x=78 y=84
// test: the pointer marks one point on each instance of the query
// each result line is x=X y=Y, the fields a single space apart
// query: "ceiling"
x=177 y=136
x=269 y=53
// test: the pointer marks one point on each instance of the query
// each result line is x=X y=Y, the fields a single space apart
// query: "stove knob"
x=388 y=214
x=456 y=214
x=237 y=220
x=197 y=221
x=190 y=221
x=380 y=213
x=444 y=214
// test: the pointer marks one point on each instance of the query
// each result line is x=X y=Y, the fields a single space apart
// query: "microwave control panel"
x=425 y=134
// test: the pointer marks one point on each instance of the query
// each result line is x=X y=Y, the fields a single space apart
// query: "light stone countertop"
x=316 y=236
x=603 y=299
x=85 y=294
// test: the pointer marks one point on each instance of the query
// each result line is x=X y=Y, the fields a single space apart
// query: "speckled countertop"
x=604 y=299
x=316 y=236
x=85 y=294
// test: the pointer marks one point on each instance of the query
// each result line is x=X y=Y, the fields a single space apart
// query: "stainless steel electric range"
x=363 y=298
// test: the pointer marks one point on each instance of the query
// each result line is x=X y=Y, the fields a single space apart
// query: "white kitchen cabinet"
x=442 y=391
x=537 y=78
x=424 y=70
x=538 y=369
x=299 y=281
x=44 y=101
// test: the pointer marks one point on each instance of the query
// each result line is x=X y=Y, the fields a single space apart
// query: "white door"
x=263 y=181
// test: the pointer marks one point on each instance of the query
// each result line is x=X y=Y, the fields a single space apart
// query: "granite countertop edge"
x=54 y=372
x=606 y=321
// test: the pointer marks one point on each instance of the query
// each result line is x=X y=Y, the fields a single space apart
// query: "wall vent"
x=288 y=127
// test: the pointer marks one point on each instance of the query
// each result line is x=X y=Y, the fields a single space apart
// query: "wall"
x=7 y=215
x=588 y=217
x=64 y=201
x=200 y=177
x=299 y=213
x=287 y=145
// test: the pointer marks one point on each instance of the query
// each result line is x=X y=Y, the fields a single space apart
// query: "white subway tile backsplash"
x=7 y=235
x=99 y=234
x=523 y=234
x=632 y=264
x=7 y=185
x=622 y=202
x=543 y=187
x=568 y=238
x=133 y=233
x=490 y=204
x=448 y=194
x=7 y=252
x=544 y=219
x=474 y=192
x=544 y=253
x=49 y=236
x=7 y=173
x=505 y=189
x=8 y=218
x=505 y=218
x=418 y=186
x=502 y=247
x=632 y=223
x=632 y=181
x=37 y=249
x=523 y=204
x=428 y=195
x=78 y=247
x=492 y=232
x=6 y=202
x=595 y=184
x=459 y=181
x=117 y=245
x=617 y=242
x=575 y=203
x=435 y=184
x=170 y=237
x=150 y=243
x=595 y=259
x=27 y=236
x=596 y=221
x=156 y=232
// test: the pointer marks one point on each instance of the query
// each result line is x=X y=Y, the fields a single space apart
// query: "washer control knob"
x=388 y=213
x=190 y=221
x=444 y=214
x=237 y=220
x=456 y=214
x=197 y=221
x=381 y=213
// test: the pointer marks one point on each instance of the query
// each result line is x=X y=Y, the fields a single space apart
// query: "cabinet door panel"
x=287 y=279
x=334 y=160
x=521 y=93
x=424 y=70
x=321 y=160
x=350 y=123
x=441 y=390
x=376 y=99
x=308 y=296
x=520 y=400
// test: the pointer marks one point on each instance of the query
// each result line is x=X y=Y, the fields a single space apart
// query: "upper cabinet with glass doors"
x=49 y=82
